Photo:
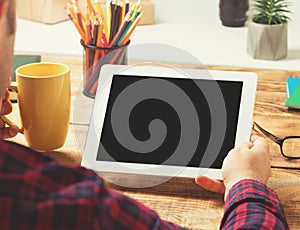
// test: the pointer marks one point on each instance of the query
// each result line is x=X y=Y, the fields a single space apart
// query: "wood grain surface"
x=180 y=200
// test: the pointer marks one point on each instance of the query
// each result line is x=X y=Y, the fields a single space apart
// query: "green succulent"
x=271 y=12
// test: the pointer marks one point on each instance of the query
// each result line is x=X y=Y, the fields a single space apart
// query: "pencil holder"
x=94 y=58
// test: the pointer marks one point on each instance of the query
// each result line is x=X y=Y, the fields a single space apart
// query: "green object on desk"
x=294 y=100
x=22 y=59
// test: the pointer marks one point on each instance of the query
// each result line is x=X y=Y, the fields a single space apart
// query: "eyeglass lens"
x=291 y=147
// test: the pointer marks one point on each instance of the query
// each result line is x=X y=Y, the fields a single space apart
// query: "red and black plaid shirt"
x=38 y=193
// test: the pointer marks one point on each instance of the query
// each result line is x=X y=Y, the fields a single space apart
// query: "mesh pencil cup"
x=94 y=58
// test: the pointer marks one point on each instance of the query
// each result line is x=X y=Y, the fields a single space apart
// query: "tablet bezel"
x=243 y=131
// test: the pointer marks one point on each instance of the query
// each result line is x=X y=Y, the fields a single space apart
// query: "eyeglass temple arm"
x=269 y=135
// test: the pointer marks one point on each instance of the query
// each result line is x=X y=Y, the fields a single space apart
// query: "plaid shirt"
x=252 y=205
x=38 y=193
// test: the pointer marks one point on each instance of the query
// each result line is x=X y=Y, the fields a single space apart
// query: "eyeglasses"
x=289 y=145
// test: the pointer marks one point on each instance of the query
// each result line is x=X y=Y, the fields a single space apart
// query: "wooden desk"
x=186 y=203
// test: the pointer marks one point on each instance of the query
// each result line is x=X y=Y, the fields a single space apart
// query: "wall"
x=207 y=10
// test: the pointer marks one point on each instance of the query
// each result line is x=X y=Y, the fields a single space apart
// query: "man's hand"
x=6 y=108
x=251 y=160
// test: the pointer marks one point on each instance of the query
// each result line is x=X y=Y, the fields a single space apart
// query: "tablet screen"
x=166 y=118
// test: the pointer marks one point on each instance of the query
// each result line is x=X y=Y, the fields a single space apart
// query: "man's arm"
x=249 y=203
x=39 y=193
x=252 y=205
x=122 y=212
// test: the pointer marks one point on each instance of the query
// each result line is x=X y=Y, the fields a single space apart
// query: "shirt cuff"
x=248 y=188
x=249 y=191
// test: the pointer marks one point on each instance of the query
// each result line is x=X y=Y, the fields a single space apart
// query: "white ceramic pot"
x=268 y=42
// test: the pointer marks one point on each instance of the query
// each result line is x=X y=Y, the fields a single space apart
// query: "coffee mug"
x=44 y=102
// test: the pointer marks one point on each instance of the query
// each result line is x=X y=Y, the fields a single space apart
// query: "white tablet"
x=167 y=121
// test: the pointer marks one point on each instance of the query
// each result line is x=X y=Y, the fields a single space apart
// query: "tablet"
x=168 y=121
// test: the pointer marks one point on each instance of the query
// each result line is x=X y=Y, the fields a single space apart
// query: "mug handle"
x=14 y=87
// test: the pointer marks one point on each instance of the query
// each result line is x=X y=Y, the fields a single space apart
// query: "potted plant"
x=267 y=31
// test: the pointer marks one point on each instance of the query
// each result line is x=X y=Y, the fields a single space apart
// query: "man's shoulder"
x=16 y=159
x=11 y=151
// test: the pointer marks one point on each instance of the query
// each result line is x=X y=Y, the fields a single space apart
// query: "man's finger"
x=253 y=138
x=2 y=124
x=6 y=106
x=210 y=184
x=259 y=142
x=8 y=132
x=246 y=145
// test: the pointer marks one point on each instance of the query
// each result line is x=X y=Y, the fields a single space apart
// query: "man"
x=38 y=193
x=7 y=38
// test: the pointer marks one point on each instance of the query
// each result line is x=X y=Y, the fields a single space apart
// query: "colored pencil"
x=120 y=32
x=91 y=8
x=105 y=39
x=126 y=7
x=78 y=14
x=135 y=23
x=108 y=19
x=98 y=53
x=76 y=24
x=116 y=26
x=100 y=13
x=113 y=9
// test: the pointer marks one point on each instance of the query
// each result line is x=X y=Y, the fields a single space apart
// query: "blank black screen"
x=154 y=108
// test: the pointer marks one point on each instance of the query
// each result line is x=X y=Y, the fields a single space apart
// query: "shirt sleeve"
x=39 y=193
x=125 y=213
x=252 y=205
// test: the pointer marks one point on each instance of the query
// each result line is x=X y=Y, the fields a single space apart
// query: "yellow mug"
x=44 y=103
